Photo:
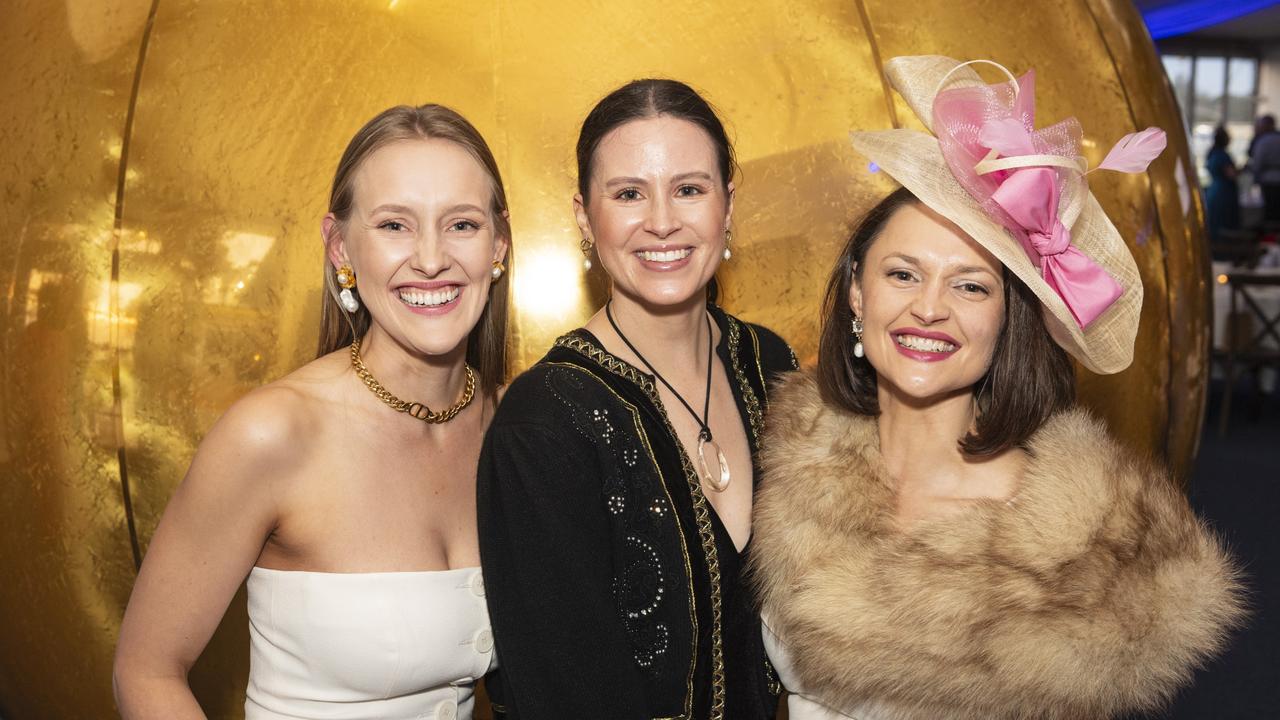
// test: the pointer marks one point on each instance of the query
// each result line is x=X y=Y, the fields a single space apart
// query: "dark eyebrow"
x=971 y=269
x=625 y=181
x=693 y=175
x=960 y=270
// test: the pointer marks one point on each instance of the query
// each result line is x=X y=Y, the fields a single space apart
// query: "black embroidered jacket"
x=613 y=588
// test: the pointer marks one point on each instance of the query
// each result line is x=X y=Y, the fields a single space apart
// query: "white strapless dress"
x=803 y=703
x=366 y=646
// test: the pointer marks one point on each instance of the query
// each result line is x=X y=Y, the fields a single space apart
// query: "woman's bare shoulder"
x=274 y=425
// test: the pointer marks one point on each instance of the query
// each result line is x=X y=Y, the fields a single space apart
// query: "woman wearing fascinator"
x=940 y=531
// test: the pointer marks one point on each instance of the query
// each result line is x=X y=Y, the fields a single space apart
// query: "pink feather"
x=1135 y=151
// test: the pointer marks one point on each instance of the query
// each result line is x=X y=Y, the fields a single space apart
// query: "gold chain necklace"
x=418 y=410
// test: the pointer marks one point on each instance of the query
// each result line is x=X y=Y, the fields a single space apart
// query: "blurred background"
x=1223 y=65
x=164 y=165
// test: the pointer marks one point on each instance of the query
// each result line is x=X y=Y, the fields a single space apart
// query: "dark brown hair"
x=1030 y=377
x=487 y=343
x=640 y=99
x=652 y=97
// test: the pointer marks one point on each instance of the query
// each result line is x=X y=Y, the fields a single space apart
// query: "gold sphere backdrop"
x=165 y=164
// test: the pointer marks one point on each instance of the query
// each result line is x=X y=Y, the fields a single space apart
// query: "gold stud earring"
x=498 y=269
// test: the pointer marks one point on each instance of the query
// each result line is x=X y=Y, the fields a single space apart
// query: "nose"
x=662 y=219
x=430 y=256
x=930 y=304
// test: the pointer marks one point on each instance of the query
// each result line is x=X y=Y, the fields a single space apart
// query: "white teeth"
x=913 y=342
x=428 y=298
x=665 y=255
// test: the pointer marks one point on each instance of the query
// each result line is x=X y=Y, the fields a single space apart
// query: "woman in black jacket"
x=616 y=481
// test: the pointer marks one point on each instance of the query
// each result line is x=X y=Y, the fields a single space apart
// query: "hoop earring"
x=728 y=238
x=585 y=246
x=856 y=326
x=346 y=278
x=498 y=269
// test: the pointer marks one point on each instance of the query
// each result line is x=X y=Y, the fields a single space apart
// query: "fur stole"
x=1095 y=591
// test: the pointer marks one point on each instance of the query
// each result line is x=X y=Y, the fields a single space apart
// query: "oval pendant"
x=718 y=480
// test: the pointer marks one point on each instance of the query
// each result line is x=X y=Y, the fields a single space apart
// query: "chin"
x=668 y=294
x=436 y=346
x=925 y=391
x=434 y=340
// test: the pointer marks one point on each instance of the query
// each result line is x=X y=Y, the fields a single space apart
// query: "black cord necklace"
x=718 y=481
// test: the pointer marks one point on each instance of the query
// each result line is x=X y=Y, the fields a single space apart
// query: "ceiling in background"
x=1255 y=21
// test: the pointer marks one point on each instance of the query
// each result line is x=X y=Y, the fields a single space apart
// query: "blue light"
x=1180 y=18
x=873 y=167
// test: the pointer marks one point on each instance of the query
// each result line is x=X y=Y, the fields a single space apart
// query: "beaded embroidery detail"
x=702 y=511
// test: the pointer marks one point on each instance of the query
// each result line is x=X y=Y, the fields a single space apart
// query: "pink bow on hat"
x=1030 y=196
x=978 y=125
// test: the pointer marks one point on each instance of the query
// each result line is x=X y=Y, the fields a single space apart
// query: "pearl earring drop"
x=346 y=278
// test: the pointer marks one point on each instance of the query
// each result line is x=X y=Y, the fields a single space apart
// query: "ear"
x=502 y=244
x=335 y=246
x=855 y=291
x=728 y=210
x=580 y=214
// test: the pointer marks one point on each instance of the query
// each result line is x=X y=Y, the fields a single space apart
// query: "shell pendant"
x=719 y=480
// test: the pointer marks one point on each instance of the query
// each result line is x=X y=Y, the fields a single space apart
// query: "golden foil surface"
x=165 y=165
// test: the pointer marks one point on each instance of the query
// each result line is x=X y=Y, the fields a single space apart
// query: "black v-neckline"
x=618 y=366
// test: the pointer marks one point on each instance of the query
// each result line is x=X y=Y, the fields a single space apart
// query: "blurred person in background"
x=1222 y=197
x=1264 y=161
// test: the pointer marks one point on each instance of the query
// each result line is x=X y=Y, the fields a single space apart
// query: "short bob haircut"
x=1029 y=380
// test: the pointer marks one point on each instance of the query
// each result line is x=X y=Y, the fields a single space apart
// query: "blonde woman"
x=345 y=492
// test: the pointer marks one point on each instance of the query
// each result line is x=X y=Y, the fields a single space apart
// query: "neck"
x=670 y=336
x=436 y=381
x=919 y=440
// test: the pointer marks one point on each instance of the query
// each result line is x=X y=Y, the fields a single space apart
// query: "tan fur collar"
x=1095 y=591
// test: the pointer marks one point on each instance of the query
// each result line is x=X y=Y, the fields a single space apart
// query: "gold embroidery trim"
x=675 y=517
x=701 y=509
x=773 y=683
x=754 y=416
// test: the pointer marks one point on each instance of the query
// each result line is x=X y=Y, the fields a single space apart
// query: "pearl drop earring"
x=856 y=326
x=346 y=278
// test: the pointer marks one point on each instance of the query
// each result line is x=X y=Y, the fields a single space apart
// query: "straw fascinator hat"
x=1022 y=194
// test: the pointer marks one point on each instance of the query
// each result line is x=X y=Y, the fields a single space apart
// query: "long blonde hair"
x=487 y=343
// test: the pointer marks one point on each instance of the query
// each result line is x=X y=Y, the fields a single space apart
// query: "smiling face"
x=658 y=209
x=932 y=304
x=422 y=242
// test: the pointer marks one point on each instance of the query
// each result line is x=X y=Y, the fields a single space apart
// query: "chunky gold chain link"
x=417 y=410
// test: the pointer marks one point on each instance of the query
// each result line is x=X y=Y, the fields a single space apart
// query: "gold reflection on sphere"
x=165 y=166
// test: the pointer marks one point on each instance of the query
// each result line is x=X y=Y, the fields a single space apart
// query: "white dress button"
x=447 y=710
x=477 y=585
x=484 y=641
